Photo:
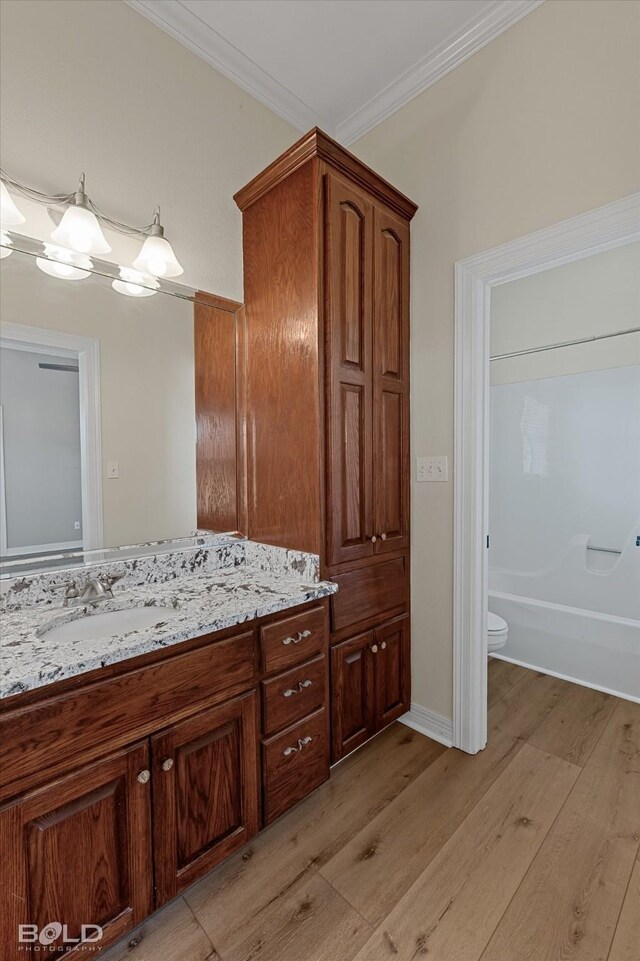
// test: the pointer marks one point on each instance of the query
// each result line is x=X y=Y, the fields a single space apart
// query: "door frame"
x=597 y=230
x=87 y=352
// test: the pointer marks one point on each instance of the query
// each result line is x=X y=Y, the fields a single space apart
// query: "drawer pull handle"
x=296 y=640
x=167 y=764
x=296 y=690
x=302 y=742
x=143 y=776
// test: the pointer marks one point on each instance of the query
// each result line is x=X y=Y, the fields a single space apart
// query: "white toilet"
x=497 y=632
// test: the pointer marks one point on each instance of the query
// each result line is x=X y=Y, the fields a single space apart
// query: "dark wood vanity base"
x=120 y=789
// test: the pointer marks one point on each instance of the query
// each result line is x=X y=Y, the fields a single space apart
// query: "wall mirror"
x=107 y=407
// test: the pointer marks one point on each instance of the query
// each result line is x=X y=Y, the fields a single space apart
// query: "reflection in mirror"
x=98 y=418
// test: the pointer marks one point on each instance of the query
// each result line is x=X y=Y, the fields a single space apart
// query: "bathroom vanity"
x=132 y=764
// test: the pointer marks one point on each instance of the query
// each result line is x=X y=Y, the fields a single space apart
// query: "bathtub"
x=578 y=619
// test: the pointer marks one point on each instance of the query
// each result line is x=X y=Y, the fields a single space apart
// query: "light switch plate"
x=432 y=469
x=113 y=469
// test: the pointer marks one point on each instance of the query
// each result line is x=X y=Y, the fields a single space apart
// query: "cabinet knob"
x=383 y=646
x=167 y=764
x=143 y=776
x=374 y=648
x=383 y=537
x=374 y=539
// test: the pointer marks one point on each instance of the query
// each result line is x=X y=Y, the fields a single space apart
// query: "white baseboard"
x=435 y=726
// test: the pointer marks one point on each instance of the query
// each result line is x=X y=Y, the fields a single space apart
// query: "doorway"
x=599 y=230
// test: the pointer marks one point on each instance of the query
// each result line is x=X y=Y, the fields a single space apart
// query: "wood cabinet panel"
x=205 y=792
x=78 y=852
x=352 y=694
x=391 y=382
x=55 y=732
x=282 y=364
x=348 y=299
x=214 y=345
x=369 y=591
x=294 y=764
x=392 y=680
x=294 y=694
x=293 y=639
x=391 y=493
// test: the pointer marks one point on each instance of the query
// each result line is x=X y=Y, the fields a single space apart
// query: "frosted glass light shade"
x=64 y=264
x=134 y=284
x=79 y=230
x=5 y=248
x=10 y=216
x=157 y=258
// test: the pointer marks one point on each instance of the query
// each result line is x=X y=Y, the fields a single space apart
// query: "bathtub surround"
x=218 y=584
x=564 y=464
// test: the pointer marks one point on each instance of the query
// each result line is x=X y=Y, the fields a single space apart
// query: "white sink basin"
x=93 y=626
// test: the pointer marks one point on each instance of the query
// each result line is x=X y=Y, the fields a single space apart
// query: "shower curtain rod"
x=565 y=343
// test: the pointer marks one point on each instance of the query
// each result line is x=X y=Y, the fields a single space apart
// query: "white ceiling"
x=343 y=65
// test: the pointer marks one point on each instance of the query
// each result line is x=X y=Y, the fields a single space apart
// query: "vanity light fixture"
x=79 y=229
x=79 y=235
x=132 y=283
x=157 y=256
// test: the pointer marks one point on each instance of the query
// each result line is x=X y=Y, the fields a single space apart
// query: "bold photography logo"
x=55 y=936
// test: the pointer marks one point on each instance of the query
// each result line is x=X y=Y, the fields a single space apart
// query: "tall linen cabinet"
x=323 y=377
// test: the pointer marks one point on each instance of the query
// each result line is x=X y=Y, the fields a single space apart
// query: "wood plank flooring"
x=529 y=851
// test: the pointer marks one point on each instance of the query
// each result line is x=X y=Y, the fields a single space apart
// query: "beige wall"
x=540 y=125
x=91 y=85
x=589 y=297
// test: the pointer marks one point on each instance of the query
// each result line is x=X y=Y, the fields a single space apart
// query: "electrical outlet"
x=432 y=469
x=76 y=525
x=113 y=469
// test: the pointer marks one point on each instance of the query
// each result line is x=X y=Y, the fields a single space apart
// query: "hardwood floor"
x=529 y=851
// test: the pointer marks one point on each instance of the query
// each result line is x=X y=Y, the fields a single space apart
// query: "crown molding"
x=449 y=55
x=191 y=31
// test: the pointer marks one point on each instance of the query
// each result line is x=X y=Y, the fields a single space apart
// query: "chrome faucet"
x=95 y=589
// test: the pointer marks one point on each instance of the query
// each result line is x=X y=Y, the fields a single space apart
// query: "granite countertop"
x=230 y=587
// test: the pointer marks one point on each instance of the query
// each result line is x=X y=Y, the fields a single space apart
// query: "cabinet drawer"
x=294 y=694
x=368 y=592
x=292 y=640
x=293 y=765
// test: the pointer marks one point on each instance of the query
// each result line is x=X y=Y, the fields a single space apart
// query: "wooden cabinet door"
x=391 y=382
x=348 y=298
x=392 y=670
x=352 y=694
x=77 y=852
x=205 y=792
